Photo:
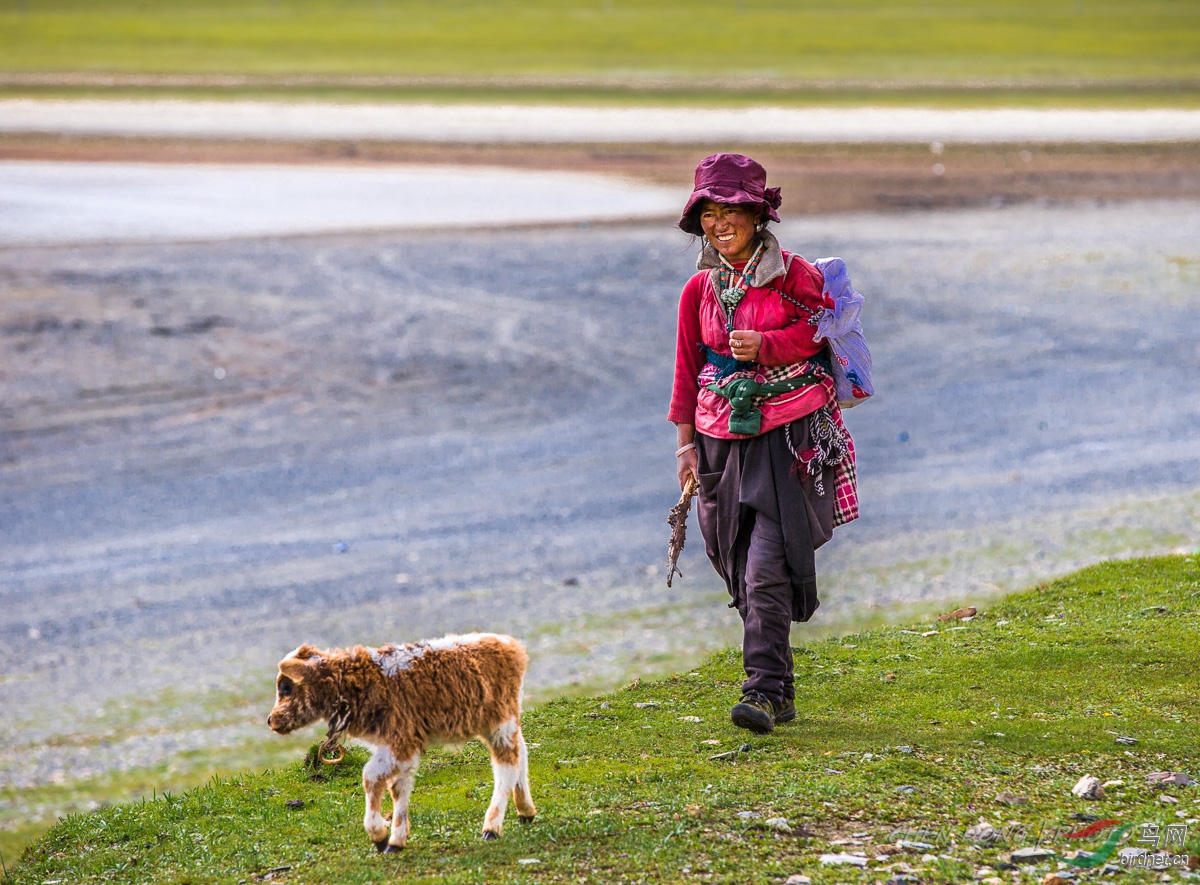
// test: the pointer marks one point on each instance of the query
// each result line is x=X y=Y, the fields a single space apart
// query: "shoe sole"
x=751 y=720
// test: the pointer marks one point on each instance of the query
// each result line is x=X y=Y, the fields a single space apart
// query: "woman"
x=758 y=423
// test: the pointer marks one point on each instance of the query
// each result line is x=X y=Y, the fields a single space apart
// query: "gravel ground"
x=210 y=453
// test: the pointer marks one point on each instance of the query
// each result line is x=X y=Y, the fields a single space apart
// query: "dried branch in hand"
x=677 y=520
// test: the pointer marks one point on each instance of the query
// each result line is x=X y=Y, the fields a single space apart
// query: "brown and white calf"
x=401 y=699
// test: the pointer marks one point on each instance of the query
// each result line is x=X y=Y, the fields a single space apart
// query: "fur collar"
x=770 y=265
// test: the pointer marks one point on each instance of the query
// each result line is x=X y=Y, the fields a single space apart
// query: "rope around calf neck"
x=338 y=723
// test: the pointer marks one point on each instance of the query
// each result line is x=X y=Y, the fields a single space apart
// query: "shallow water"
x=53 y=202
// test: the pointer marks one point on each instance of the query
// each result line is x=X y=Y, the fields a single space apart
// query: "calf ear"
x=295 y=670
x=300 y=664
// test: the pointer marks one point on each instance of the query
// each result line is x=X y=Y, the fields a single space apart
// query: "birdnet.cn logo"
x=1153 y=851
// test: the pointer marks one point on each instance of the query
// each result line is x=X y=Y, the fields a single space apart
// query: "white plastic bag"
x=842 y=330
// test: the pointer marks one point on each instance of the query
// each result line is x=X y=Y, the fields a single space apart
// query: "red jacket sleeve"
x=794 y=343
x=689 y=353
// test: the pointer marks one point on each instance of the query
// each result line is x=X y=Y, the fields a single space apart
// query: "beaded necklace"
x=732 y=284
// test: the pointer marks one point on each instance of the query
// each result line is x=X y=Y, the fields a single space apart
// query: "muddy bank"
x=817 y=179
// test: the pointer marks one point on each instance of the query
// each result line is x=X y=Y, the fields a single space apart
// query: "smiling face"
x=730 y=228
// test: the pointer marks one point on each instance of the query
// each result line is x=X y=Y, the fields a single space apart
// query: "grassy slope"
x=1119 y=42
x=1027 y=697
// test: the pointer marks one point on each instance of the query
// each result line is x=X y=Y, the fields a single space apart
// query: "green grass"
x=1060 y=44
x=904 y=733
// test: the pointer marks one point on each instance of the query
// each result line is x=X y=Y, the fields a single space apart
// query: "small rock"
x=915 y=846
x=958 y=614
x=1112 y=784
x=646 y=705
x=604 y=706
x=1007 y=798
x=983 y=833
x=984 y=872
x=991 y=880
x=857 y=860
x=903 y=880
x=749 y=815
x=1089 y=787
x=1127 y=741
x=900 y=867
x=690 y=719
x=1169 y=800
x=798 y=879
x=905 y=789
x=1030 y=855
x=1163 y=778
x=712 y=742
x=295 y=803
x=778 y=823
x=526 y=861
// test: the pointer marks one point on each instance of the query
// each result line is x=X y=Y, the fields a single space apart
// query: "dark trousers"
x=766 y=609
x=754 y=516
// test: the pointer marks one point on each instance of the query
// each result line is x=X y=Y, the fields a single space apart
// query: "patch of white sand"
x=54 y=202
x=484 y=124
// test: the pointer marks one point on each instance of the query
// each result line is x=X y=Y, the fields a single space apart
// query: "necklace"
x=732 y=284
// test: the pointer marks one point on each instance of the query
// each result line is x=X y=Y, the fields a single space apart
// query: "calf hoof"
x=391 y=849
x=382 y=846
x=489 y=836
x=525 y=818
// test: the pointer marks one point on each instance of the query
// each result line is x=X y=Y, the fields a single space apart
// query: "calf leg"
x=401 y=788
x=506 y=771
x=521 y=794
x=378 y=774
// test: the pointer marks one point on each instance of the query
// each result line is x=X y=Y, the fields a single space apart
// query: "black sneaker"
x=754 y=712
x=786 y=713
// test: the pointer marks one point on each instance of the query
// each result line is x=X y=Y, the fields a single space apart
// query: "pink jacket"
x=787 y=338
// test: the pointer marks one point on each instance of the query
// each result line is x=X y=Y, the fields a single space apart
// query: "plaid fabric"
x=712 y=373
x=845 y=479
x=845 y=473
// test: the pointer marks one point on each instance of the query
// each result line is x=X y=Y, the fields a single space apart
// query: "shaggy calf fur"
x=401 y=699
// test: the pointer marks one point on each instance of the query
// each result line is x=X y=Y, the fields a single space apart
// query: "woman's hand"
x=745 y=344
x=689 y=464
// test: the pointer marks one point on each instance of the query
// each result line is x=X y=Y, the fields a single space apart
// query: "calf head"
x=302 y=691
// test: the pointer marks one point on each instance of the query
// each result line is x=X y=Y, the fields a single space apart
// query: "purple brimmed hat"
x=729 y=178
